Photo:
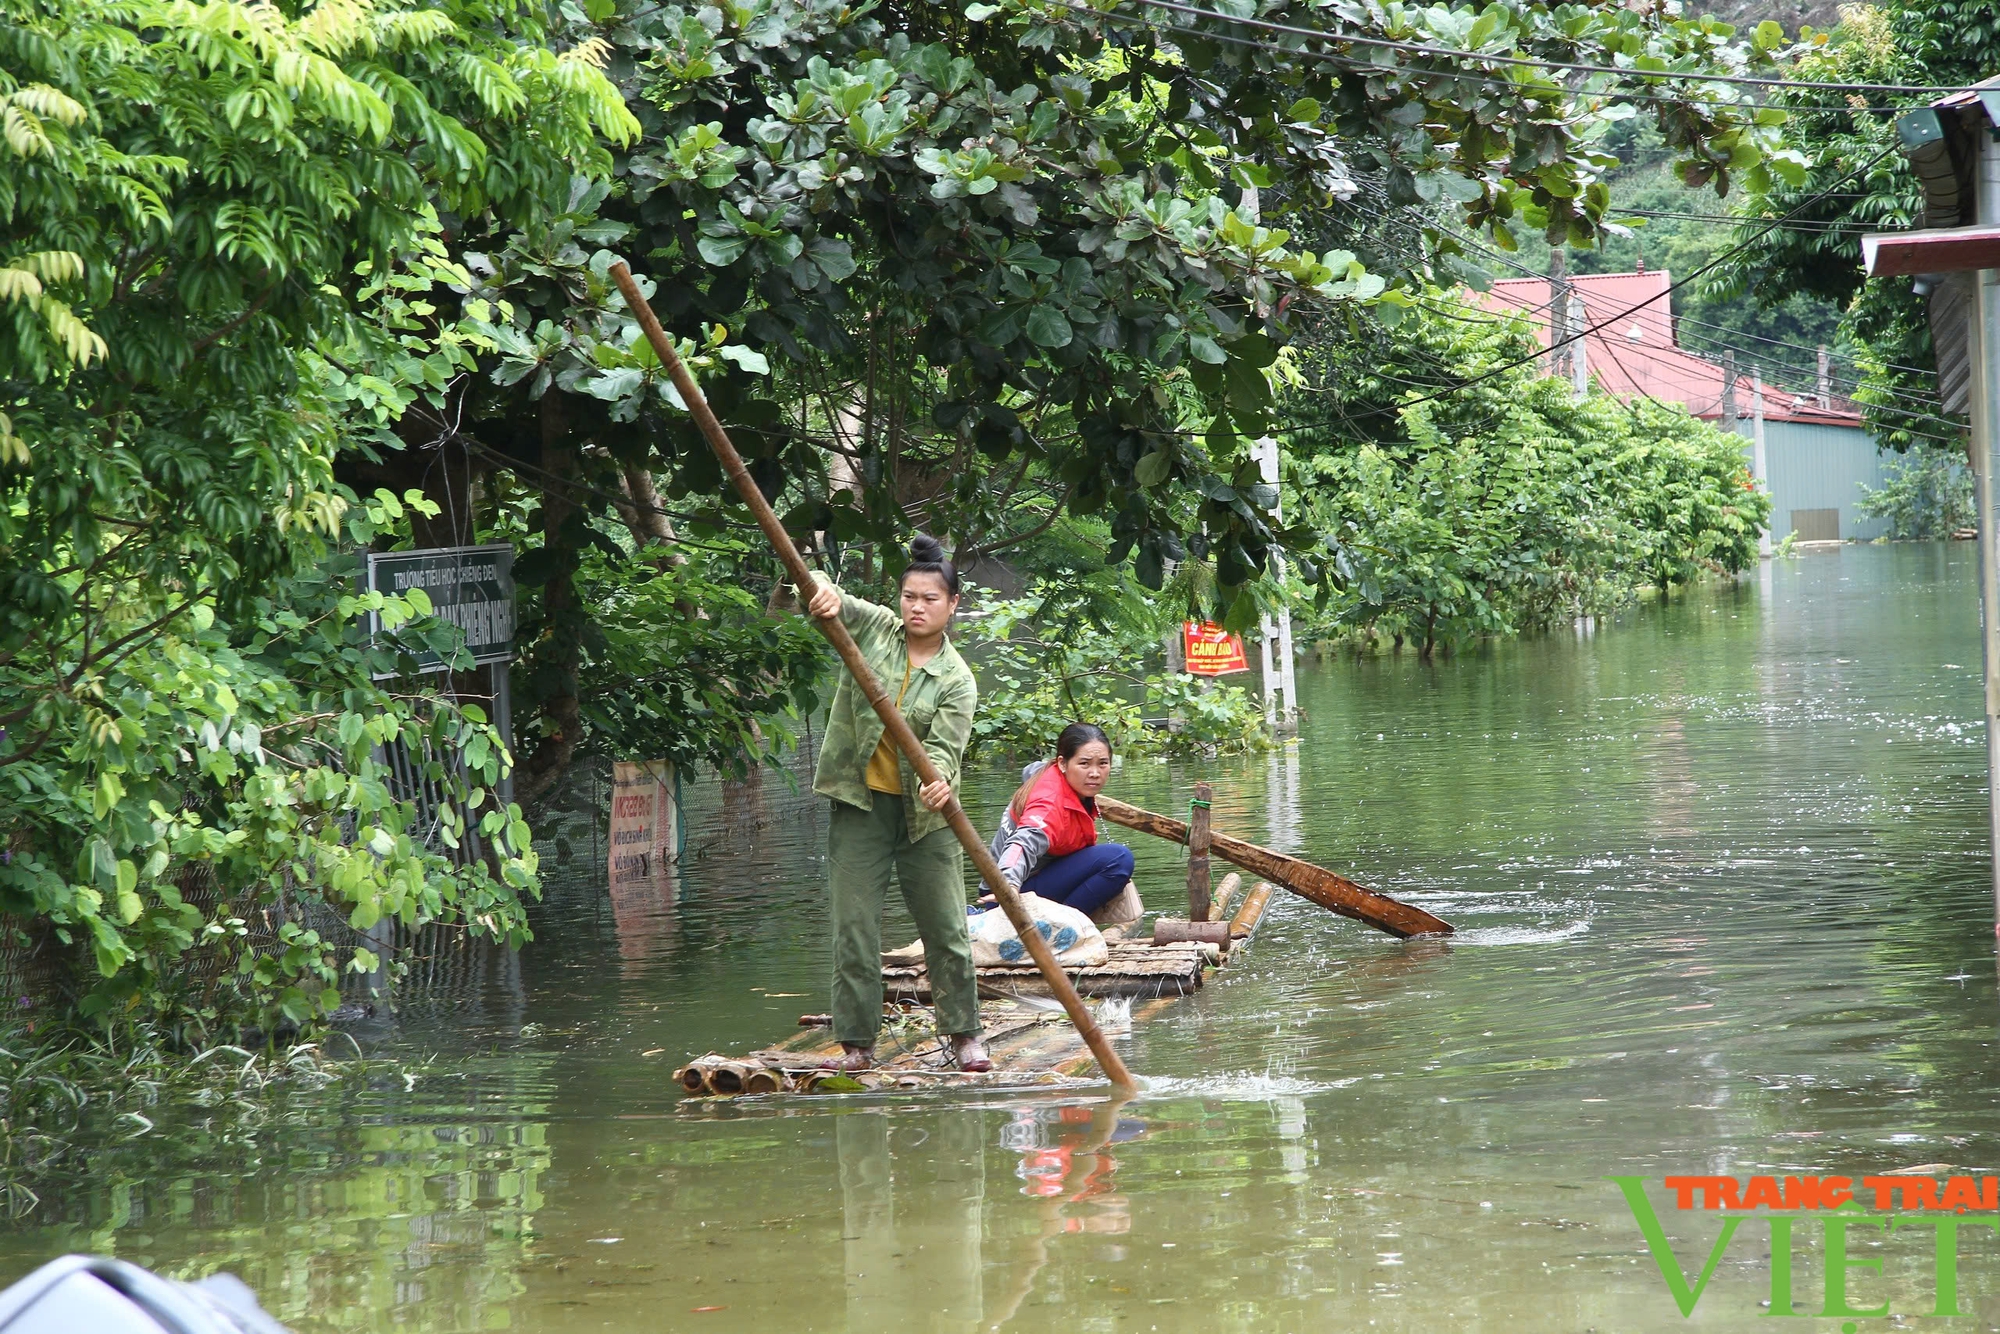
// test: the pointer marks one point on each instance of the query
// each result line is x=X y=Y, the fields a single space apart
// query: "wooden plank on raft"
x=1135 y=969
x=1324 y=887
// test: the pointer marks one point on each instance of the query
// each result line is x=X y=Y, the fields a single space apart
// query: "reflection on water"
x=1719 y=871
x=911 y=1222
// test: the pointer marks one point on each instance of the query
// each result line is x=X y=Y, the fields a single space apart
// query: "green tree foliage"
x=657 y=642
x=1858 y=182
x=722 y=689
x=1000 y=231
x=971 y=268
x=187 y=686
x=1926 y=494
x=1051 y=658
x=930 y=263
x=1509 y=506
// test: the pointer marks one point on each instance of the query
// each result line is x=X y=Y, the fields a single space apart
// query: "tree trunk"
x=645 y=516
x=650 y=527
x=443 y=472
x=562 y=621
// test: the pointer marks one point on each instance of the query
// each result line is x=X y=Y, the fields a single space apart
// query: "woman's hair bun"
x=927 y=557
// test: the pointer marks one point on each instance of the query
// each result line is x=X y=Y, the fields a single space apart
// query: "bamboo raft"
x=1031 y=1042
x=1030 y=1038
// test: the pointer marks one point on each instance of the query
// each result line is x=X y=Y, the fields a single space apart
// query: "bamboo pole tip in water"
x=727 y=1078
x=694 y=1076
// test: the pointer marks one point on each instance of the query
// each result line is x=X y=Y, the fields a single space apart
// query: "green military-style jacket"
x=938 y=705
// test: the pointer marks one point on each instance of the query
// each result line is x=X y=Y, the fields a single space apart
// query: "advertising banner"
x=645 y=819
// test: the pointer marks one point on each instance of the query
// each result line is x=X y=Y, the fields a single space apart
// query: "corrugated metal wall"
x=1819 y=468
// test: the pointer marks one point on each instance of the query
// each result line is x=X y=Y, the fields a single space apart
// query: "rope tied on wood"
x=1187 y=837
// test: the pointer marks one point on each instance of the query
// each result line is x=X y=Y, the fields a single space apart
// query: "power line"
x=1414 y=48
x=1758 y=366
x=1515 y=264
x=1350 y=419
x=1803 y=348
x=1734 y=219
x=1555 y=343
x=1521 y=268
x=1357 y=65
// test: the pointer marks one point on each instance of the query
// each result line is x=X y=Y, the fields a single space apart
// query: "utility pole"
x=1825 y=386
x=1579 y=351
x=1277 y=630
x=1559 y=353
x=1758 y=462
x=1728 y=422
x=1265 y=634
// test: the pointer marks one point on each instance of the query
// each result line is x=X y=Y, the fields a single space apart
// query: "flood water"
x=1720 y=875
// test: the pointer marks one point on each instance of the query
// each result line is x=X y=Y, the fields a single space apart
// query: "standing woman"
x=884 y=820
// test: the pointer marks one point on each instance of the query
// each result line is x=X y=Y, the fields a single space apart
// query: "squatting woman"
x=884 y=820
x=1047 y=844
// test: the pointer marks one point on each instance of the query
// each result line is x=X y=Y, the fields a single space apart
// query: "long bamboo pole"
x=1322 y=886
x=857 y=666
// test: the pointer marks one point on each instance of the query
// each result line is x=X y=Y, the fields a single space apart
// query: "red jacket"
x=1054 y=823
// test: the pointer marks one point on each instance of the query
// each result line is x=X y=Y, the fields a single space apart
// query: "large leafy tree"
x=1859 y=182
x=972 y=268
x=187 y=190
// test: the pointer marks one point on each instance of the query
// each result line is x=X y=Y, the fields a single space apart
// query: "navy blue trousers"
x=1087 y=879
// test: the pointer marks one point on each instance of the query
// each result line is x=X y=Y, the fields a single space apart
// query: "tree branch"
x=1055 y=512
x=202 y=345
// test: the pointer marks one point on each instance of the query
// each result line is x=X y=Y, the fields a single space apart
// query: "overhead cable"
x=1416 y=48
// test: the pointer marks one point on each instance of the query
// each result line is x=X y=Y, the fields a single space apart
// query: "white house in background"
x=1817 y=453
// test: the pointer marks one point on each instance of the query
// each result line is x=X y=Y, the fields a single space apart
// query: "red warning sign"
x=1212 y=651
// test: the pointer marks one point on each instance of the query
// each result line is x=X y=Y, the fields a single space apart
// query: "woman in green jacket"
x=884 y=820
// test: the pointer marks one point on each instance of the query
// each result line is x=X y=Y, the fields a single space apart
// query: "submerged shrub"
x=1927 y=493
x=72 y=1096
x=1511 y=505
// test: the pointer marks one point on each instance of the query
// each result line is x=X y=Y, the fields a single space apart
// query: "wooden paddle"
x=850 y=654
x=1302 y=878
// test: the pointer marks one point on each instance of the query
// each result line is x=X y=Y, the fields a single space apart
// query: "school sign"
x=472 y=587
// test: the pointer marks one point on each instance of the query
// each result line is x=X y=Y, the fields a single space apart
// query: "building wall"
x=1814 y=467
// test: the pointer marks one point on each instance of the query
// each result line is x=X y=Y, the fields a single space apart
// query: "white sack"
x=1073 y=937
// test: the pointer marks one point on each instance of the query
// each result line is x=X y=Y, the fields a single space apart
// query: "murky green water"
x=1720 y=878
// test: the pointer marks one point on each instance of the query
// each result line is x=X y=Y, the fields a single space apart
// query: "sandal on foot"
x=853 y=1056
x=970 y=1053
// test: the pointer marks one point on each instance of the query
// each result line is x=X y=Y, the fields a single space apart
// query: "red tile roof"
x=1635 y=355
